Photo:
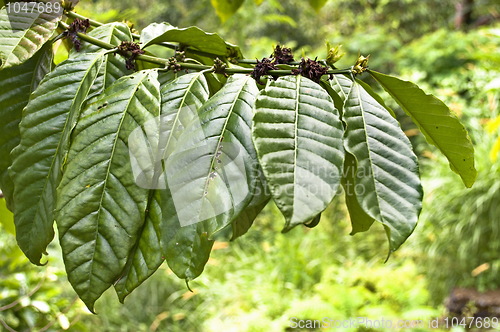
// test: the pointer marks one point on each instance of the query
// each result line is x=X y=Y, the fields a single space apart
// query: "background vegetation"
x=261 y=280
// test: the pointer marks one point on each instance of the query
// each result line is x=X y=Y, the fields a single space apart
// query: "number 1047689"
x=50 y=7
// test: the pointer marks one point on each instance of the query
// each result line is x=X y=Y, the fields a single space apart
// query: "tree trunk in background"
x=463 y=14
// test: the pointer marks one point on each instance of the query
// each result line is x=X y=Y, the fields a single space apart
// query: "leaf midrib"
x=295 y=138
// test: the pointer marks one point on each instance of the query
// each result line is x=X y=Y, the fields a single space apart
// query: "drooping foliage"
x=142 y=160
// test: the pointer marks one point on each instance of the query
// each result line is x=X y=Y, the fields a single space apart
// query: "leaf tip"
x=90 y=306
x=187 y=285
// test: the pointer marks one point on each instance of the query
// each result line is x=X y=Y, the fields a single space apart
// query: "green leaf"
x=48 y=119
x=181 y=98
x=226 y=8
x=23 y=32
x=360 y=221
x=147 y=256
x=16 y=84
x=193 y=37
x=212 y=172
x=341 y=86
x=438 y=124
x=186 y=248
x=298 y=136
x=317 y=4
x=100 y=209
x=387 y=178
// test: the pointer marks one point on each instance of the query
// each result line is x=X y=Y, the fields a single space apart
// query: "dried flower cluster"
x=130 y=50
x=282 y=55
x=262 y=68
x=311 y=69
x=78 y=26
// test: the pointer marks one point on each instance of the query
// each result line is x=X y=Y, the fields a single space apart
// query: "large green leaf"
x=387 y=178
x=186 y=248
x=48 y=119
x=100 y=208
x=16 y=84
x=193 y=37
x=147 y=151
x=438 y=124
x=226 y=8
x=298 y=136
x=149 y=147
x=23 y=31
x=212 y=172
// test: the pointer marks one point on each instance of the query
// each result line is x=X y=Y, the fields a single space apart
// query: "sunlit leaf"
x=24 y=30
x=438 y=124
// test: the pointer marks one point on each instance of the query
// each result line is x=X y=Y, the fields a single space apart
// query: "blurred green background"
x=257 y=283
